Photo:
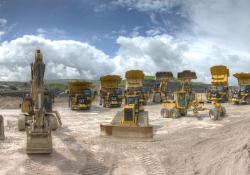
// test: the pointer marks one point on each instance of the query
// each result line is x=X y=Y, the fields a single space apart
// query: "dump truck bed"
x=76 y=86
x=220 y=75
x=243 y=78
x=110 y=81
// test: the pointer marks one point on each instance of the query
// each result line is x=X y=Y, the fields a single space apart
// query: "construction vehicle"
x=160 y=91
x=80 y=95
x=242 y=95
x=1 y=128
x=219 y=91
x=132 y=121
x=183 y=98
x=38 y=122
x=110 y=94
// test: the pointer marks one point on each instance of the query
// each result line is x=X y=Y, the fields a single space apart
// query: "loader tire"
x=214 y=114
x=21 y=123
x=53 y=122
x=174 y=113
x=247 y=100
x=223 y=111
x=164 y=113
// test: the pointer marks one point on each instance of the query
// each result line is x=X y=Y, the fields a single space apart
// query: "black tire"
x=174 y=113
x=214 y=114
x=223 y=111
x=164 y=113
x=53 y=122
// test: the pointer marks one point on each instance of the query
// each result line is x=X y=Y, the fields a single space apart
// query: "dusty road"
x=184 y=146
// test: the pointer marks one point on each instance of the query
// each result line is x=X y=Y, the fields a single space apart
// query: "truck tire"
x=21 y=123
x=164 y=113
x=223 y=111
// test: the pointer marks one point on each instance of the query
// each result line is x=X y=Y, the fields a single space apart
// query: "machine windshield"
x=87 y=92
x=245 y=88
x=117 y=91
x=133 y=100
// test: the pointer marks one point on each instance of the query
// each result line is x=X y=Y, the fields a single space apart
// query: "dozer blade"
x=1 y=128
x=127 y=131
x=142 y=130
x=39 y=143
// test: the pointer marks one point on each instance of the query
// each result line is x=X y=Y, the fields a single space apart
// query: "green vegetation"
x=56 y=86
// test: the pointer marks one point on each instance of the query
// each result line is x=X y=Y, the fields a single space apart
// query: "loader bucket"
x=1 y=128
x=39 y=143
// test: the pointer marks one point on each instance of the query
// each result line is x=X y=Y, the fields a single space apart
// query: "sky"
x=82 y=39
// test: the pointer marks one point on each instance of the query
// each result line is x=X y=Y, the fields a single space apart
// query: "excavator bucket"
x=140 y=131
x=39 y=142
x=1 y=128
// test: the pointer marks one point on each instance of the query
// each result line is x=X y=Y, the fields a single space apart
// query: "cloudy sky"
x=86 y=39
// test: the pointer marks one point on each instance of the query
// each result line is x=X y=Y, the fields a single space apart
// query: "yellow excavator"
x=1 y=128
x=219 y=91
x=132 y=121
x=80 y=95
x=160 y=89
x=242 y=95
x=110 y=93
x=39 y=120
x=182 y=98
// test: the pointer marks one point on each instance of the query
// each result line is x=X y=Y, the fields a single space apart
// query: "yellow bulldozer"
x=160 y=90
x=242 y=95
x=38 y=121
x=219 y=91
x=183 y=98
x=132 y=121
x=80 y=95
x=110 y=93
x=1 y=128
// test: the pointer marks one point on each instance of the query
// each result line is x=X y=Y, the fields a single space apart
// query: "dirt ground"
x=185 y=146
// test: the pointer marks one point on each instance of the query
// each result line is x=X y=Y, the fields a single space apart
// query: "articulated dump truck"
x=132 y=121
x=183 y=98
x=160 y=91
x=38 y=121
x=80 y=95
x=242 y=95
x=110 y=93
x=1 y=128
x=219 y=90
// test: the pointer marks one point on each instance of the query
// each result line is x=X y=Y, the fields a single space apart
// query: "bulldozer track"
x=150 y=162
x=96 y=165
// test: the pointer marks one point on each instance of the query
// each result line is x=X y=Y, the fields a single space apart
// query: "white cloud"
x=64 y=59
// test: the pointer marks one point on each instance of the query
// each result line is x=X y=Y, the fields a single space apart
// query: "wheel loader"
x=183 y=98
x=160 y=91
x=39 y=121
x=110 y=94
x=132 y=121
x=1 y=128
x=219 y=91
x=242 y=95
x=80 y=95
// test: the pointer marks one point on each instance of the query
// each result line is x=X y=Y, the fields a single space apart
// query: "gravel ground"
x=185 y=146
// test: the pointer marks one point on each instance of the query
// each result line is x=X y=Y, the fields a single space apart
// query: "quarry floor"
x=184 y=146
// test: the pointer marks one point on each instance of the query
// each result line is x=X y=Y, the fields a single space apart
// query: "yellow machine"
x=132 y=121
x=219 y=90
x=38 y=121
x=242 y=96
x=183 y=99
x=160 y=90
x=80 y=95
x=110 y=93
x=1 y=128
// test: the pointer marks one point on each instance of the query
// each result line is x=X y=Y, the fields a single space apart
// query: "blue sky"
x=98 y=22
x=86 y=39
